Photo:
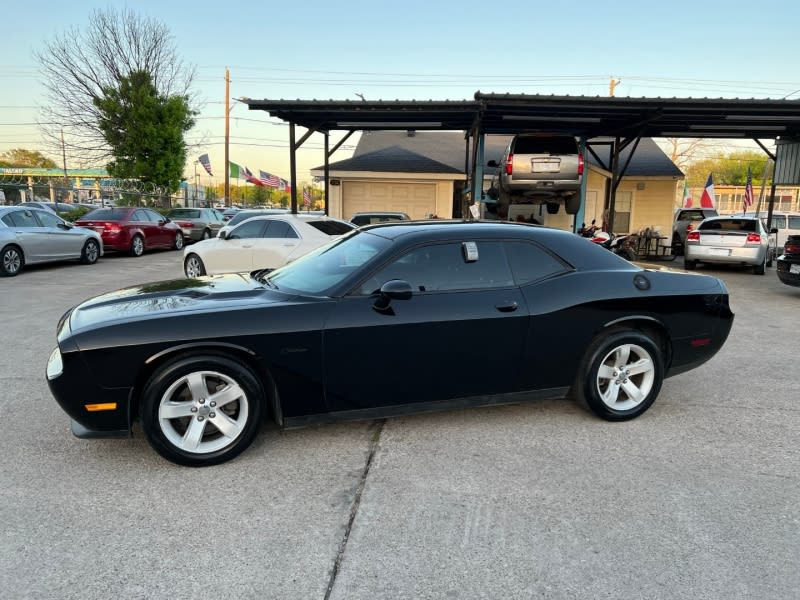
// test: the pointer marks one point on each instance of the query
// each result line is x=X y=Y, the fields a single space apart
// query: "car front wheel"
x=621 y=375
x=178 y=244
x=193 y=266
x=90 y=252
x=201 y=410
x=11 y=261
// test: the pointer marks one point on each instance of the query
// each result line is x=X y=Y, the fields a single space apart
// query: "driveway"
x=696 y=499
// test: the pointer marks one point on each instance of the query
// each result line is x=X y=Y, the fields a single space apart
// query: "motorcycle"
x=618 y=244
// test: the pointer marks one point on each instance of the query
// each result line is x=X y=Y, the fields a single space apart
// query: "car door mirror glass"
x=395 y=289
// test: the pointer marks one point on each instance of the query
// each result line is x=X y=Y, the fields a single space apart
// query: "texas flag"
x=708 y=200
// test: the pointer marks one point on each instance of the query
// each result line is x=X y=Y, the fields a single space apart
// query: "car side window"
x=251 y=229
x=442 y=267
x=139 y=216
x=279 y=229
x=153 y=216
x=23 y=218
x=531 y=263
x=48 y=219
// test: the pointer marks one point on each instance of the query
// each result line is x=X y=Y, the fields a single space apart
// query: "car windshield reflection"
x=329 y=265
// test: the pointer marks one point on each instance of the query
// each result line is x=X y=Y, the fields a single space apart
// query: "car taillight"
x=112 y=227
x=689 y=227
x=694 y=236
x=753 y=238
x=791 y=249
x=580 y=164
x=510 y=164
x=184 y=223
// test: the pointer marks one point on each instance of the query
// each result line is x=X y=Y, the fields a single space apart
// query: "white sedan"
x=262 y=242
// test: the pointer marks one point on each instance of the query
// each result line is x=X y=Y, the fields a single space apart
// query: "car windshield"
x=328 y=265
x=106 y=214
x=331 y=227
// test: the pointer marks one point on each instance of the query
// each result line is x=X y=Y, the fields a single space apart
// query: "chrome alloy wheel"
x=137 y=246
x=194 y=268
x=12 y=261
x=203 y=412
x=625 y=377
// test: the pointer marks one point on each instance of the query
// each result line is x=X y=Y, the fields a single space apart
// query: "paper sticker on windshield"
x=470 y=250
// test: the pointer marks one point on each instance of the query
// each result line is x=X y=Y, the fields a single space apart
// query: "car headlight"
x=55 y=366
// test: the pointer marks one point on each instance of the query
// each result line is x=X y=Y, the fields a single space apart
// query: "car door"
x=164 y=235
x=139 y=220
x=277 y=245
x=30 y=235
x=214 y=221
x=63 y=241
x=234 y=253
x=459 y=336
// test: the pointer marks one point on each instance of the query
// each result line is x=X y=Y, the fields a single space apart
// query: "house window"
x=622 y=212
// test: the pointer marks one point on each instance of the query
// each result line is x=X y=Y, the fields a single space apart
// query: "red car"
x=132 y=229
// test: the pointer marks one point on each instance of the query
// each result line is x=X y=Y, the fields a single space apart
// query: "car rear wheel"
x=137 y=245
x=90 y=252
x=620 y=375
x=202 y=410
x=761 y=269
x=206 y=234
x=11 y=261
x=572 y=204
x=677 y=245
x=690 y=265
x=193 y=266
x=178 y=243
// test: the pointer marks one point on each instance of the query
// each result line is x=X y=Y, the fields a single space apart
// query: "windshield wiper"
x=261 y=277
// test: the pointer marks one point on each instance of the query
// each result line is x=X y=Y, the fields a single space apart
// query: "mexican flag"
x=687 y=197
x=235 y=170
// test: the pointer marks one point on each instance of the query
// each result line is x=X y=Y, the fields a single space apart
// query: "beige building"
x=423 y=174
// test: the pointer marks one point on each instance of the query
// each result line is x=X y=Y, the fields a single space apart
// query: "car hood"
x=172 y=297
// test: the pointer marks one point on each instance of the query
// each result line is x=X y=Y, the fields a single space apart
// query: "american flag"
x=204 y=160
x=269 y=180
x=306 y=197
x=748 y=190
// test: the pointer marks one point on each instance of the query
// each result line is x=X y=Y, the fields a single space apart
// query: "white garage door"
x=417 y=200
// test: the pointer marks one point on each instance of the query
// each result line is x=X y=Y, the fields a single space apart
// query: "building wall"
x=651 y=207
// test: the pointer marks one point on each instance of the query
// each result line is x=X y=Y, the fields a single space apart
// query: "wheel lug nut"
x=626 y=381
x=194 y=409
x=212 y=415
x=213 y=404
x=200 y=418
x=202 y=400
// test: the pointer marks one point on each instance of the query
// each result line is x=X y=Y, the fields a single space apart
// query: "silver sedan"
x=32 y=235
x=730 y=240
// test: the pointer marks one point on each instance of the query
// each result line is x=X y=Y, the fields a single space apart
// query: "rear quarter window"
x=530 y=263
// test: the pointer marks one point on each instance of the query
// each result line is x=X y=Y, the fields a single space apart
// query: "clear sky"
x=419 y=49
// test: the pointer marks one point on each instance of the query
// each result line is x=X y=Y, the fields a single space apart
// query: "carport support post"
x=612 y=199
x=477 y=173
x=580 y=216
x=327 y=170
x=293 y=168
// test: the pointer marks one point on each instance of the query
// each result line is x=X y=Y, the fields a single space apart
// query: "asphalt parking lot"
x=698 y=498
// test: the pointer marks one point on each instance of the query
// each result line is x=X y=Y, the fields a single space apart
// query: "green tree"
x=730 y=169
x=19 y=157
x=81 y=65
x=145 y=131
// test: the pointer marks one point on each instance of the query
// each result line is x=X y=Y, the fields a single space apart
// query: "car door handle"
x=507 y=306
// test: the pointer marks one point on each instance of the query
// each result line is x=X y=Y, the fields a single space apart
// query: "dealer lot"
x=697 y=498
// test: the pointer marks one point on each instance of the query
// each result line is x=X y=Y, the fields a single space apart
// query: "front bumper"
x=783 y=267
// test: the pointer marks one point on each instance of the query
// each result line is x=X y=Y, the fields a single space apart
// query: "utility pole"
x=227 y=137
x=64 y=158
x=612 y=86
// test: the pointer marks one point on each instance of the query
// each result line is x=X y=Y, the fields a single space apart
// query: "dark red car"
x=132 y=229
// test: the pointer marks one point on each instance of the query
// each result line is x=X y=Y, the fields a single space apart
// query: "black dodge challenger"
x=390 y=319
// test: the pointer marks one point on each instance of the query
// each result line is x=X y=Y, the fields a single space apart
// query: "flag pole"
x=763 y=186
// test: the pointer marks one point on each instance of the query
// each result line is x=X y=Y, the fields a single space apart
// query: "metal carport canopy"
x=589 y=117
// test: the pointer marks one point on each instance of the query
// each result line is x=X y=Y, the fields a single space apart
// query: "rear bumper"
x=737 y=256
x=783 y=268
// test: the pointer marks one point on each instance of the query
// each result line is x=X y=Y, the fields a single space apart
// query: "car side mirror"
x=66 y=225
x=395 y=289
x=162 y=221
x=223 y=235
x=492 y=163
x=774 y=230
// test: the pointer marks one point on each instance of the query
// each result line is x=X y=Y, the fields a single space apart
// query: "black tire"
x=605 y=387
x=572 y=204
x=137 y=246
x=90 y=252
x=193 y=266
x=770 y=258
x=627 y=254
x=177 y=244
x=690 y=265
x=677 y=245
x=11 y=260
x=552 y=208
x=206 y=234
x=222 y=378
x=761 y=269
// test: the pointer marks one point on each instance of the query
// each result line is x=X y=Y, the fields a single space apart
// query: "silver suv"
x=687 y=219
x=543 y=168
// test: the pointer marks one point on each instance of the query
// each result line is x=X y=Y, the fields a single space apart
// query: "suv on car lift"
x=686 y=220
x=539 y=168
